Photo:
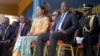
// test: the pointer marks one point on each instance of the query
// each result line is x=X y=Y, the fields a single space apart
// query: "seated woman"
x=39 y=26
x=55 y=14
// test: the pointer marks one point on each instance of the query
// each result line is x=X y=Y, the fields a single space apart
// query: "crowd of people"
x=59 y=25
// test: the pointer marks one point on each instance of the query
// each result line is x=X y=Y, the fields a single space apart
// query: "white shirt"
x=62 y=20
x=79 y=40
x=21 y=29
x=22 y=25
x=5 y=32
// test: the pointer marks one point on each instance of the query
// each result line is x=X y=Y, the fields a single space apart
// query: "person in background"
x=88 y=30
x=1 y=25
x=47 y=10
x=15 y=24
x=55 y=14
x=28 y=21
x=40 y=25
x=63 y=29
x=6 y=36
x=79 y=14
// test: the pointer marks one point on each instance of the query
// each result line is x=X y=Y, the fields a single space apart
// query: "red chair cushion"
x=33 y=43
x=49 y=27
x=58 y=42
x=80 y=45
x=97 y=44
x=10 y=49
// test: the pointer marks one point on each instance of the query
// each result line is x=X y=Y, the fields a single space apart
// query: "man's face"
x=86 y=12
x=5 y=22
x=64 y=7
x=22 y=19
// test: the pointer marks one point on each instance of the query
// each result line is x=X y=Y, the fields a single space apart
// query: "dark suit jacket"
x=25 y=30
x=9 y=33
x=95 y=28
x=70 y=24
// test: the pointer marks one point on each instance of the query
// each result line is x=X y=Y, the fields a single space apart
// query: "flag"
x=35 y=4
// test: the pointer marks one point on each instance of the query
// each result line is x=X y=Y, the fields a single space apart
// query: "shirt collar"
x=66 y=12
x=22 y=23
x=7 y=26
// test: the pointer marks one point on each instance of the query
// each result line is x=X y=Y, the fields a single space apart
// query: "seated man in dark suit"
x=64 y=28
x=6 y=37
x=23 y=27
x=21 y=30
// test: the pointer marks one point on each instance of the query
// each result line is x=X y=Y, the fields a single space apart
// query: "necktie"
x=59 y=22
x=4 y=34
x=19 y=31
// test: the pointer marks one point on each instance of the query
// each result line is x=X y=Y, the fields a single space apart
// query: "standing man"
x=6 y=36
x=88 y=29
x=64 y=28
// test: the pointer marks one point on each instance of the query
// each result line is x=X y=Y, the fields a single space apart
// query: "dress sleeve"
x=46 y=23
x=32 y=27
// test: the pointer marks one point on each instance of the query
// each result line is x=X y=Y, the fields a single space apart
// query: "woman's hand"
x=29 y=33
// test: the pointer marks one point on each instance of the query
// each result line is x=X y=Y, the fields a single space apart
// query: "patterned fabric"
x=23 y=45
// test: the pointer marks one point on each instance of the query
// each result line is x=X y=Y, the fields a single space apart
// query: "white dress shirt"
x=21 y=29
x=5 y=33
x=62 y=19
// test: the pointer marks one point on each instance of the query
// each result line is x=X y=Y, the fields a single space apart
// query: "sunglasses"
x=54 y=15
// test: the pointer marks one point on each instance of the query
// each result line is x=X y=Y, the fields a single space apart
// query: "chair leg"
x=59 y=50
x=45 y=50
x=34 y=50
x=76 y=54
x=60 y=47
x=80 y=51
x=72 y=50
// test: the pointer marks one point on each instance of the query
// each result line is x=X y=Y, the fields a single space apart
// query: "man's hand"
x=35 y=34
x=1 y=41
x=8 y=41
x=4 y=41
x=29 y=34
x=62 y=31
x=15 y=39
x=51 y=31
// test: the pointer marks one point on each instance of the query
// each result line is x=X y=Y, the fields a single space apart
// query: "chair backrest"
x=75 y=33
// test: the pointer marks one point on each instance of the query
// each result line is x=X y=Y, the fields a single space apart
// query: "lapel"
x=3 y=31
x=66 y=17
x=23 y=28
x=8 y=31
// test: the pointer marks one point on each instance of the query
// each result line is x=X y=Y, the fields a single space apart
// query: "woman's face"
x=40 y=11
x=54 y=15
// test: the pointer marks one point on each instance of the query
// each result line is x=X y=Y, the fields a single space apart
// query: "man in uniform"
x=88 y=30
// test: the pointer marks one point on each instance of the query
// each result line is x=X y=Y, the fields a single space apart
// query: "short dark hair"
x=59 y=12
x=43 y=8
